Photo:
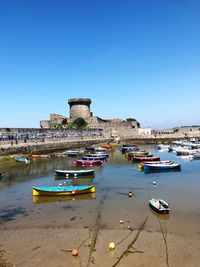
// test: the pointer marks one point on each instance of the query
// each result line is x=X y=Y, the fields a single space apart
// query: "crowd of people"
x=14 y=138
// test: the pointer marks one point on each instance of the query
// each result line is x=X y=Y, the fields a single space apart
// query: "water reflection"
x=84 y=177
x=47 y=199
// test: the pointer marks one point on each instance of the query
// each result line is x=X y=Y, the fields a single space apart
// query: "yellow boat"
x=63 y=190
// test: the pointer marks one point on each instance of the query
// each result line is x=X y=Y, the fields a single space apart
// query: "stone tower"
x=79 y=107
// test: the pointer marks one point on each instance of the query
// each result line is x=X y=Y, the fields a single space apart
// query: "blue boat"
x=62 y=190
x=162 y=167
x=22 y=159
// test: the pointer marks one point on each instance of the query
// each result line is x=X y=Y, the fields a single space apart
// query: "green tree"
x=79 y=123
x=64 y=121
x=134 y=120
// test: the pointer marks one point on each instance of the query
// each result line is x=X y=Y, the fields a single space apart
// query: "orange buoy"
x=74 y=252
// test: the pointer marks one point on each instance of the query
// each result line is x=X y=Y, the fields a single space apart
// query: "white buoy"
x=121 y=221
x=154 y=183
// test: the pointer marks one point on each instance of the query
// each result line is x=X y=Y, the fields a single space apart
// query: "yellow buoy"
x=111 y=245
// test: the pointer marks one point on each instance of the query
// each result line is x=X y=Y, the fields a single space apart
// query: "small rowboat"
x=81 y=162
x=159 y=205
x=142 y=163
x=22 y=159
x=62 y=190
x=94 y=158
x=74 y=172
x=72 y=153
x=162 y=167
x=143 y=158
x=98 y=154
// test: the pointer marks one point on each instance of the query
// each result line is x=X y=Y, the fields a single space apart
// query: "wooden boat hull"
x=74 y=172
x=62 y=191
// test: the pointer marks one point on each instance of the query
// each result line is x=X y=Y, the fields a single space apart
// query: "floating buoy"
x=154 y=183
x=121 y=221
x=111 y=245
x=130 y=194
x=74 y=252
x=60 y=185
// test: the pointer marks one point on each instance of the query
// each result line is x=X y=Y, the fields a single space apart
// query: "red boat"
x=81 y=162
x=145 y=158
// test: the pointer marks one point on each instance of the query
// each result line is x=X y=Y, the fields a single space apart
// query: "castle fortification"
x=80 y=108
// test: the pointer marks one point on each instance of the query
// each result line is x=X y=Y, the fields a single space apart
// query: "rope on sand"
x=127 y=250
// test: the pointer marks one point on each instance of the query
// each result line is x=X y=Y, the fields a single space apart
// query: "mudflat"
x=51 y=247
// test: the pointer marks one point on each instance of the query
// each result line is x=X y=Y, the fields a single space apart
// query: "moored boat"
x=22 y=159
x=162 y=167
x=159 y=205
x=81 y=162
x=94 y=158
x=143 y=158
x=142 y=163
x=74 y=172
x=62 y=190
x=71 y=153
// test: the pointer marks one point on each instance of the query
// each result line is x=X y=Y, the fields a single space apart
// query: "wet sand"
x=138 y=247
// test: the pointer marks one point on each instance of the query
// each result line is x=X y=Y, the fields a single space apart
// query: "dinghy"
x=159 y=205
x=81 y=162
x=62 y=190
x=74 y=172
x=22 y=159
x=162 y=167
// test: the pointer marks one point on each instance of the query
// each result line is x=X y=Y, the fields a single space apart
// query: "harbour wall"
x=48 y=146
x=52 y=145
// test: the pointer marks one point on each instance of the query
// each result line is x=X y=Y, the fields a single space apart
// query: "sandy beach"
x=43 y=247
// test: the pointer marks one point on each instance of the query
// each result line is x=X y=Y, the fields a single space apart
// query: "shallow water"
x=19 y=209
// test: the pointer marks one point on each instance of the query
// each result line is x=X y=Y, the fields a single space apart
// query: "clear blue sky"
x=137 y=59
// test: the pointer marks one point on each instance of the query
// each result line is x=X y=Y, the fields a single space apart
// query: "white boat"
x=71 y=152
x=159 y=205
